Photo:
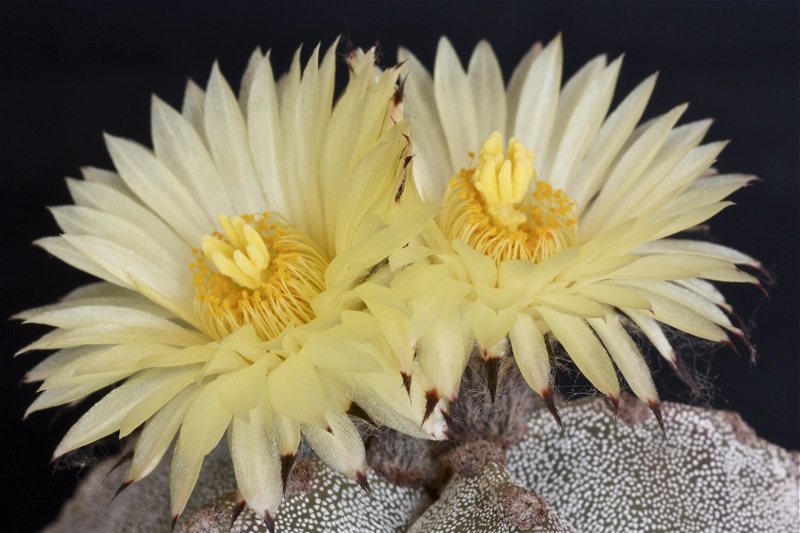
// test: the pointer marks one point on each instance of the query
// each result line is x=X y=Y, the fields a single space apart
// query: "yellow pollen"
x=256 y=272
x=502 y=210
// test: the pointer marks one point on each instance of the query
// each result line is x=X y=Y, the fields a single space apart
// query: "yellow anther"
x=503 y=181
x=492 y=208
x=256 y=272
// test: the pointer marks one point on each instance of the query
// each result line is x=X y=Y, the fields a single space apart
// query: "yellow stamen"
x=256 y=272
x=489 y=207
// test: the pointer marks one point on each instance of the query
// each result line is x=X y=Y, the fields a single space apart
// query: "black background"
x=70 y=71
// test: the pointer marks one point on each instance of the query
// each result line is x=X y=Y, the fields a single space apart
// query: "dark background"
x=70 y=71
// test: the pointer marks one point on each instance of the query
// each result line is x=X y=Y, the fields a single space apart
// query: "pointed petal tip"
x=124 y=485
x=613 y=402
x=406 y=382
x=728 y=342
x=172 y=521
x=121 y=461
x=491 y=367
x=549 y=402
x=431 y=399
x=397 y=96
x=361 y=479
x=269 y=521
x=655 y=407
x=287 y=461
x=237 y=510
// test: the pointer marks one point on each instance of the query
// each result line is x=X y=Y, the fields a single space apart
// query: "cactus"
x=607 y=473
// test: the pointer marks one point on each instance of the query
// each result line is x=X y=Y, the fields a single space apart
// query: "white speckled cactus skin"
x=710 y=474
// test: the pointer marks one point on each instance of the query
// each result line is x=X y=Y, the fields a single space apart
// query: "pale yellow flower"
x=224 y=252
x=563 y=217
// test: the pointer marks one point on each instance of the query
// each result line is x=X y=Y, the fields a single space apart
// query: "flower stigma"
x=489 y=208
x=256 y=272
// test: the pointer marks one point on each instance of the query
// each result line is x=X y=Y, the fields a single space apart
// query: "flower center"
x=256 y=272
x=489 y=206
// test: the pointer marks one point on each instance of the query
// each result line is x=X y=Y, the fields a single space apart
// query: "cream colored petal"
x=104 y=417
x=66 y=252
x=230 y=147
x=708 y=249
x=684 y=174
x=63 y=395
x=313 y=113
x=112 y=334
x=183 y=476
x=432 y=166
x=152 y=181
x=374 y=175
x=490 y=326
x=193 y=108
x=613 y=295
x=376 y=242
x=515 y=83
x=627 y=357
x=205 y=422
x=86 y=316
x=148 y=405
x=384 y=398
x=608 y=142
x=530 y=353
x=158 y=433
x=342 y=448
x=582 y=120
x=488 y=91
x=538 y=99
x=596 y=269
x=443 y=300
x=122 y=357
x=481 y=268
x=584 y=349
x=178 y=145
x=654 y=333
x=707 y=290
x=451 y=89
x=266 y=141
x=498 y=298
x=108 y=178
x=731 y=275
x=684 y=318
x=83 y=220
x=126 y=298
x=246 y=85
x=134 y=270
x=443 y=353
x=244 y=391
x=634 y=160
x=708 y=190
x=255 y=460
x=283 y=385
x=516 y=274
x=110 y=200
x=287 y=434
x=551 y=268
x=341 y=352
x=688 y=298
x=566 y=303
x=671 y=266
x=678 y=163
x=58 y=360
